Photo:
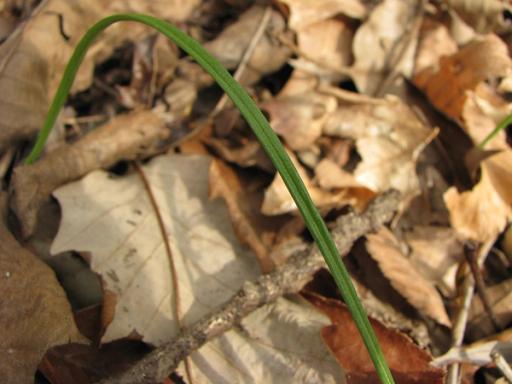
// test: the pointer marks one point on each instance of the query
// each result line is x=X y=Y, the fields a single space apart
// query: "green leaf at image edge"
x=265 y=135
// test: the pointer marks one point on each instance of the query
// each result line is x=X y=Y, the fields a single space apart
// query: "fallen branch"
x=125 y=137
x=291 y=277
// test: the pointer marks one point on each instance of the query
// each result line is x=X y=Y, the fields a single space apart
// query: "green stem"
x=502 y=125
x=269 y=141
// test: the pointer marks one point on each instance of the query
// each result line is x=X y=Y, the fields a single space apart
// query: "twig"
x=468 y=289
x=174 y=275
x=502 y=365
x=480 y=285
x=246 y=57
x=237 y=75
x=289 y=278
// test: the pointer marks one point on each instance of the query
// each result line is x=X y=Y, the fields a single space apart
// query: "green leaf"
x=265 y=135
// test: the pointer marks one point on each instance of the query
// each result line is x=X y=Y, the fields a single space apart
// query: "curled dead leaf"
x=404 y=277
x=389 y=137
x=300 y=118
x=447 y=85
x=408 y=363
x=268 y=56
x=482 y=213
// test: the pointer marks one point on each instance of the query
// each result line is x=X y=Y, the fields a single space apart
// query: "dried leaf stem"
x=174 y=275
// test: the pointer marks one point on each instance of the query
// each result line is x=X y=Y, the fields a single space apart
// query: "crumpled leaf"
x=447 y=84
x=304 y=13
x=389 y=137
x=278 y=200
x=329 y=43
x=38 y=51
x=118 y=229
x=34 y=311
x=329 y=175
x=299 y=119
x=435 y=254
x=384 y=45
x=407 y=362
x=230 y=46
x=482 y=213
x=434 y=42
x=243 y=201
x=403 y=276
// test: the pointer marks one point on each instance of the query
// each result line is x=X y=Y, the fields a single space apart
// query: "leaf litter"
x=336 y=80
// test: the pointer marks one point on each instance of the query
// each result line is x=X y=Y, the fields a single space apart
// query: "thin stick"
x=265 y=19
x=238 y=74
x=480 y=286
x=289 y=278
x=468 y=289
x=502 y=365
x=174 y=274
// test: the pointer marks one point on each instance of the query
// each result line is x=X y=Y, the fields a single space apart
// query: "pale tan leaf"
x=304 y=13
x=118 y=228
x=389 y=137
x=328 y=175
x=299 y=119
x=403 y=276
x=447 y=85
x=482 y=213
x=268 y=56
x=34 y=312
x=278 y=200
x=329 y=43
x=434 y=43
x=278 y=343
x=435 y=254
x=385 y=44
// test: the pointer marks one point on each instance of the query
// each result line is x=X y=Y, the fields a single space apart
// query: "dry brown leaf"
x=435 y=254
x=119 y=230
x=482 y=213
x=329 y=44
x=124 y=137
x=328 y=175
x=389 y=137
x=299 y=119
x=385 y=44
x=408 y=363
x=278 y=200
x=249 y=153
x=38 y=51
x=34 y=311
x=304 y=13
x=435 y=42
x=447 y=86
x=403 y=276
x=268 y=56
x=243 y=202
